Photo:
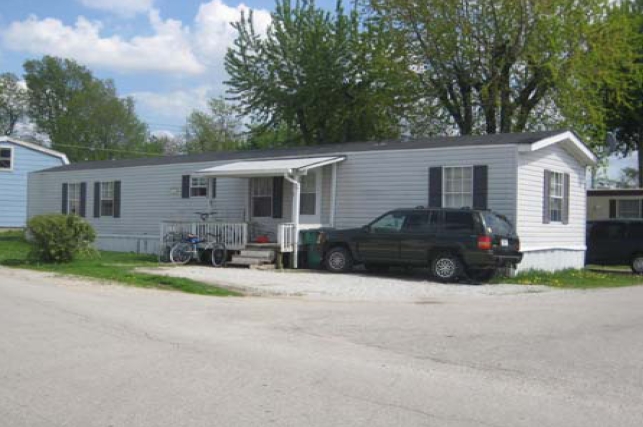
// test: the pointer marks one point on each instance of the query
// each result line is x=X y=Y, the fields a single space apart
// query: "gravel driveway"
x=322 y=285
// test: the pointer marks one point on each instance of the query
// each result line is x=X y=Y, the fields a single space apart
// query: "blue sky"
x=167 y=54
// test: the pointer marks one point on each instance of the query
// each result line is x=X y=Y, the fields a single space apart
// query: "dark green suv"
x=453 y=243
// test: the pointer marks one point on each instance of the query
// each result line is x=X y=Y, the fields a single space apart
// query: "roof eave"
x=583 y=152
x=37 y=147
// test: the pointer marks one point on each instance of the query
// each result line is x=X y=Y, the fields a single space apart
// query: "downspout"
x=296 y=186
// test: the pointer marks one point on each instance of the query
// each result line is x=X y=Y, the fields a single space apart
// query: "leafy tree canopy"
x=82 y=115
x=325 y=75
x=13 y=103
x=217 y=129
x=491 y=66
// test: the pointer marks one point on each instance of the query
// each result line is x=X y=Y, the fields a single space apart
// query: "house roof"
x=36 y=147
x=328 y=149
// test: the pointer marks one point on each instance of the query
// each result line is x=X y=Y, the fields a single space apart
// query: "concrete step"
x=267 y=254
x=239 y=260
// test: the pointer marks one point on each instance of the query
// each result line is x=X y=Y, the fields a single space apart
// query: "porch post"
x=333 y=194
x=296 y=190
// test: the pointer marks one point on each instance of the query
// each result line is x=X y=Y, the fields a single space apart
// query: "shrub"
x=59 y=238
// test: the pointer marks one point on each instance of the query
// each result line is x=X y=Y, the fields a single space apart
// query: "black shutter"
x=435 y=187
x=612 y=208
x=213 y=186
x=117 y=199
x=63 y=208
x=480 y=187
x=185 y=187
x=97 y=200
x=277 y=196
x=546 y=190
x=566 y=198
x=83 y=199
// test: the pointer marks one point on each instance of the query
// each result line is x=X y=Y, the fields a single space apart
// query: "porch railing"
x=286 y=234
x=234 y=235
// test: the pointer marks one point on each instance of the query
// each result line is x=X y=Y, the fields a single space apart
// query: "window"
x=459 y=221
x=6 y=158
x=458 y=187
x=389 y=223
x=106 y=199
x=261 y=197
x=556 y=195
x=421 y=221
x=629 y=208
x=308 y=195
x=198 y=186
x=73 y=199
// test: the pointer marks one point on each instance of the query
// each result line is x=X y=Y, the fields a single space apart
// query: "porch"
x=281 y=197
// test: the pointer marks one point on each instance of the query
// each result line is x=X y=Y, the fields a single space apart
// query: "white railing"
x=286 y=237
x=234 y=235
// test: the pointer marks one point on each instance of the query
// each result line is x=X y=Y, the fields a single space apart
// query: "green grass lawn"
x=594 y=277
x=110 y=266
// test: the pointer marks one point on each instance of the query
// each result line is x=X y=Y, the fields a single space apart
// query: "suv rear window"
x=459 y=221
x=497 y=224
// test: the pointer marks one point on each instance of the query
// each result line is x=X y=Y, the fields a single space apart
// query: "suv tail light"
x=484 y=243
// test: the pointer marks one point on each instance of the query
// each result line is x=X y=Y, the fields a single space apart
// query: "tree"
x=13 y=103
x=217 y=129
x=83 y=116
x=322 y=74
x=625 y=118
x=493 y=66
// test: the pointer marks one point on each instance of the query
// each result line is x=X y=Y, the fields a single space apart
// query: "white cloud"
x=213 y=29
x=174 y=104
x=172 y=47
x=126 y=8
x=168 y=50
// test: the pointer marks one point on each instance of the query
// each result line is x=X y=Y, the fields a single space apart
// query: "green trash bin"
x=313 y=250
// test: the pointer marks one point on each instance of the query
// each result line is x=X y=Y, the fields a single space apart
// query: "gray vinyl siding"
x=149 y=195
x=371 y=183
x=533 y=233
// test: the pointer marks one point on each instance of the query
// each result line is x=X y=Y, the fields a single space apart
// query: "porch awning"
x=269 y=167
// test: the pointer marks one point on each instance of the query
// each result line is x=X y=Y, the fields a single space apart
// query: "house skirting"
x=552 y=259
x=140 y=244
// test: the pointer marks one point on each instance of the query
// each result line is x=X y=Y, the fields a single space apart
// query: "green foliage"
x=325 y=75
x=59 y=238
x=625 y=115
x=511 y=65
x=13 y=103
x=218 y=129
x=83 y=116
x=580 y=279
x=109 y=266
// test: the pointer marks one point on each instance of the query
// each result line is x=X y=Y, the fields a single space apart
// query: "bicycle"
x=194 y=247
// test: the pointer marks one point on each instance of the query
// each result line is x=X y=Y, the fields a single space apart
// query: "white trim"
x=577 y=144
x=36 y=147
x=554 y=248
x=11 y=159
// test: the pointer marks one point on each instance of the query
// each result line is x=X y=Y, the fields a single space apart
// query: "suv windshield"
x=497 y=224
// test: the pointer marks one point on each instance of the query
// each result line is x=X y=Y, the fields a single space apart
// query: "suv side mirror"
x=366 y=229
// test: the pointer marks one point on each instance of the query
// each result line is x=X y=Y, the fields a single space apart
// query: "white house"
x=537 y=180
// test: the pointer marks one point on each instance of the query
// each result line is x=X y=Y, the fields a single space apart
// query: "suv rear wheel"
x=338 y=260
x=446 y=267
x=637 y=264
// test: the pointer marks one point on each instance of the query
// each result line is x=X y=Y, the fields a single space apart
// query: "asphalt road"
x=80 y=354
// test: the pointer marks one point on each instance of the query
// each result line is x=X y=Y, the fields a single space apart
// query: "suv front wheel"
x=338 y=260
x=446 y=267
